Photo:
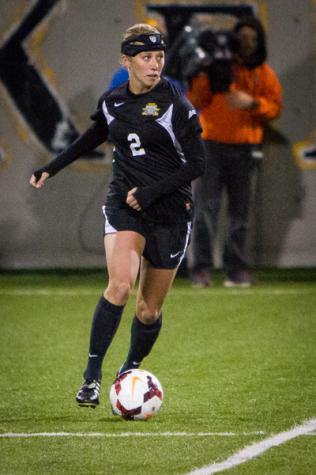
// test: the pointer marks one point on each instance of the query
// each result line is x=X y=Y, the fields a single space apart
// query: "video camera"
x=200 y=49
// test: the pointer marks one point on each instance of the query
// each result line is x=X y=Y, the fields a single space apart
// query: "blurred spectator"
x=233 y=124
x=120 y=76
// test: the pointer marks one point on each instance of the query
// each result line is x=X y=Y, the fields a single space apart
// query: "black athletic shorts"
x=165 y=243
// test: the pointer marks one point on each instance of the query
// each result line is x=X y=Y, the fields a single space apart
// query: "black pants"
x=229 y=168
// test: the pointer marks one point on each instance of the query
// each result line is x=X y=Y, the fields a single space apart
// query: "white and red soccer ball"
x=136 y=394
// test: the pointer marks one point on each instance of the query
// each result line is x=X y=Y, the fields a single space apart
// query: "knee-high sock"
x=143 y=338
x=106 y=319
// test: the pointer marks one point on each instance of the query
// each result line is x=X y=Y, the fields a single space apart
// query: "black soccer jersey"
x=157 y=148
x=154 y=135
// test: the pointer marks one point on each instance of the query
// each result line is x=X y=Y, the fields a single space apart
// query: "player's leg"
x=165 y=248
x=153 y=288
x=123 y=250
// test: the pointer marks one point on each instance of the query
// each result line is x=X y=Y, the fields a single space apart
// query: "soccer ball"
x=136 y=394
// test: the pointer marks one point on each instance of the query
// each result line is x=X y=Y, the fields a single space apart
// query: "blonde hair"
x=139 y=29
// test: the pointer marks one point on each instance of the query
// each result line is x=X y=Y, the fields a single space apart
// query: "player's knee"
x=148 y=314
x=119 y=291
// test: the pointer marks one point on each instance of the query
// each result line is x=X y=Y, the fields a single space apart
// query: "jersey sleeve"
x=83 y=145
x=185 y=119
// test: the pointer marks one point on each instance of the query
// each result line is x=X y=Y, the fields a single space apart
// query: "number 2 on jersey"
x=135 y=145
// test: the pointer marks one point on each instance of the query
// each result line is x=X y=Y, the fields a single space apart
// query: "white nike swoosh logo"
x=118 y=104
x=93 y=356
x=192 y=113
x=175 y=255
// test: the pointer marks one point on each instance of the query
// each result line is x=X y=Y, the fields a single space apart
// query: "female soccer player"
x=148 y=211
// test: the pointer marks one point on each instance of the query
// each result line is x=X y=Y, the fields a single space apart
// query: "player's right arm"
x=38 y=182
x=88 y=141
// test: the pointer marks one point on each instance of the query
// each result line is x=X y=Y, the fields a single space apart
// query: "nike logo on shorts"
x=175 y=255
x=118 y=104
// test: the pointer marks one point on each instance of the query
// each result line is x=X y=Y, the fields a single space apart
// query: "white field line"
x=200 y=293
x=48 y=292
x=110 y=435
x=254 y=450
x=27 y=435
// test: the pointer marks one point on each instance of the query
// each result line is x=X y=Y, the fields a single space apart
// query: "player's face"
x=248 y=38
x=144 y=70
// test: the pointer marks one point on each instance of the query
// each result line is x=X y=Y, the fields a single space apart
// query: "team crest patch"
x=151 y=109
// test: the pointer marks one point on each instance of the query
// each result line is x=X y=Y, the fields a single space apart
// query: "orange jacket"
x=223 y=124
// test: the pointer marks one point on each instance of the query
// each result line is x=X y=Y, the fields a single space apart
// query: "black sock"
x=105 y=322
x=143 y=338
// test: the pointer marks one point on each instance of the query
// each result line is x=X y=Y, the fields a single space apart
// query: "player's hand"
x=241 y=100
x=38 y=182
x=132 y=201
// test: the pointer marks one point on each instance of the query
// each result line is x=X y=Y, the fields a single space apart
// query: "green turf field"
x=237 y=366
